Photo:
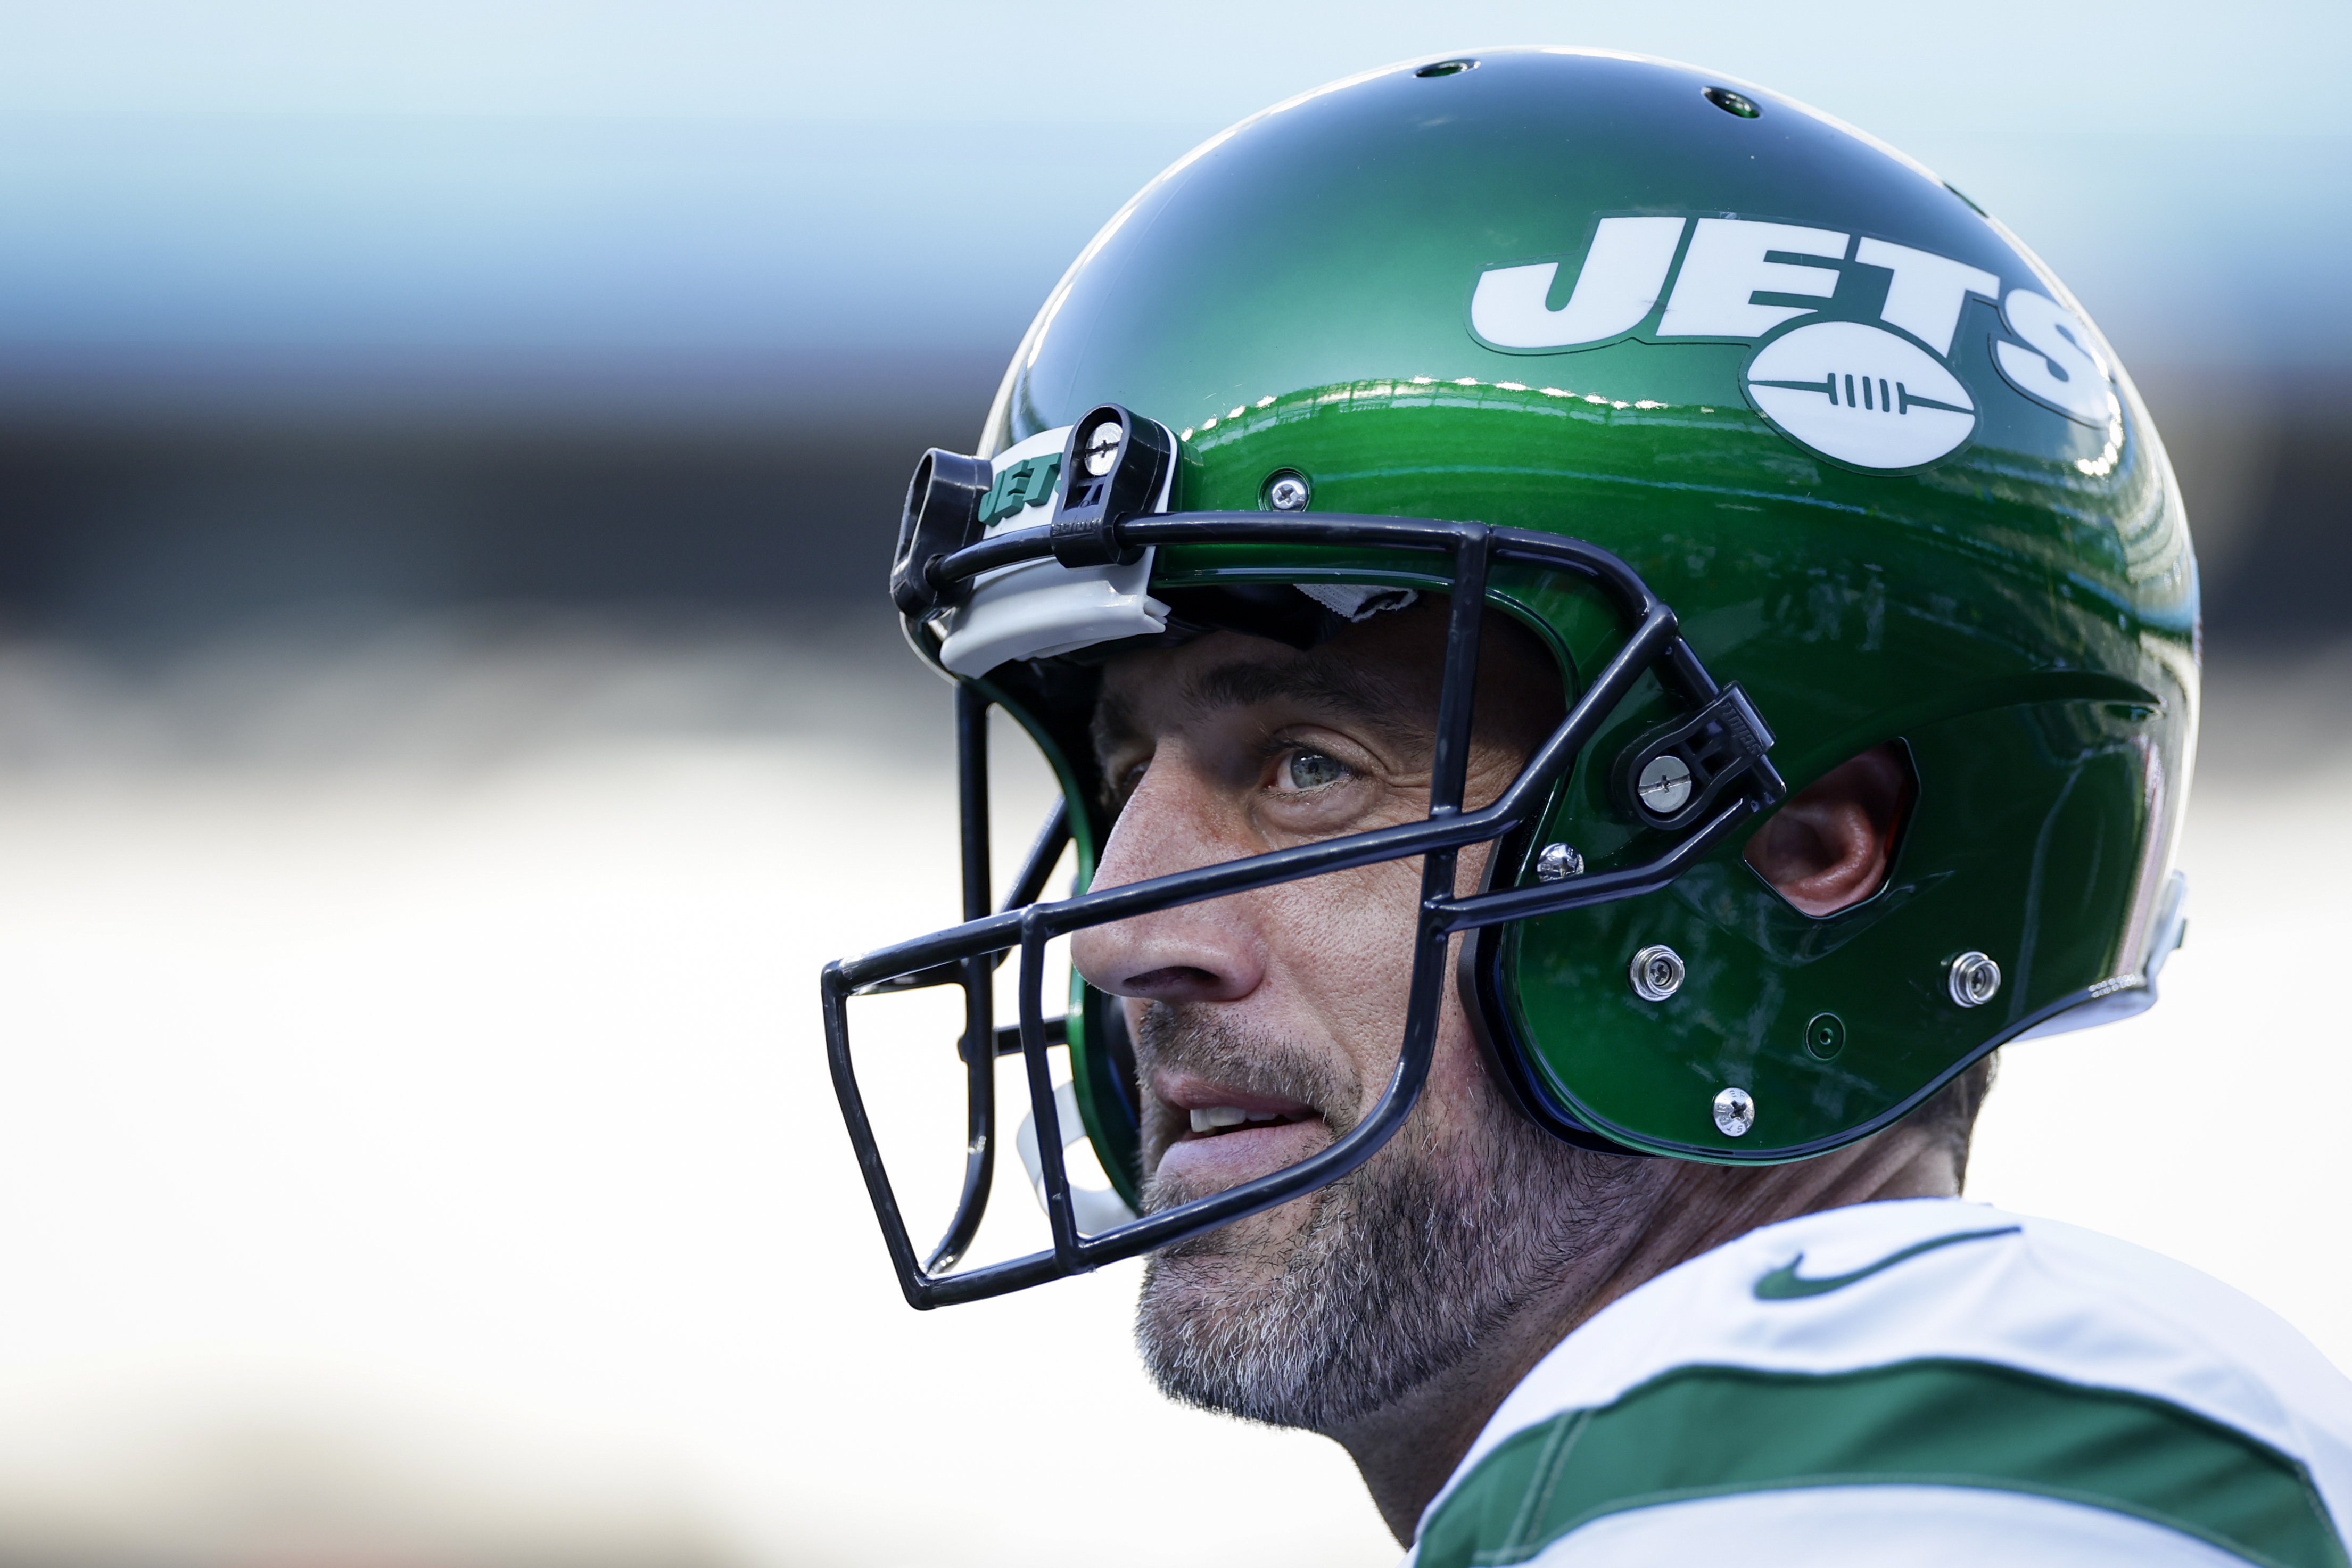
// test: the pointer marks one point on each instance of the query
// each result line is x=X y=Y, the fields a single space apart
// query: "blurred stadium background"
x=447 y=457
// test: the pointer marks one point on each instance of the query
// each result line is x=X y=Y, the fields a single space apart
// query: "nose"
x=1207 y=952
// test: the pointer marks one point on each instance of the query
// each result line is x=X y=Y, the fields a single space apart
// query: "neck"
x=1407 y=1449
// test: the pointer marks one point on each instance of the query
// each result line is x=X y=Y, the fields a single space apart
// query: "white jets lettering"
x=1925 y=297
x=2068 y=372
x=1626 y=270
x=1623 y=276
x=1865 y=395
x=1725 y=267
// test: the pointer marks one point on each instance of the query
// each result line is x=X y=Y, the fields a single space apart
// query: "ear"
x=1827 y=849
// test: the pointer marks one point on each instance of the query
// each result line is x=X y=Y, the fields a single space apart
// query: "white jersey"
x=1923 y=1382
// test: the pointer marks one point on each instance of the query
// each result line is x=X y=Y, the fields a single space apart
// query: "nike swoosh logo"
x=1784 y=1284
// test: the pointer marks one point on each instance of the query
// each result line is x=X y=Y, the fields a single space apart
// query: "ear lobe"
x=1828 y=848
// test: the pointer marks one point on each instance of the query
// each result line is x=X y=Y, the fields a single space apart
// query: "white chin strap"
x=1096 y=1209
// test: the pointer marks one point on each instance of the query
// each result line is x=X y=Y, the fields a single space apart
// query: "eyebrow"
x=1245 y=683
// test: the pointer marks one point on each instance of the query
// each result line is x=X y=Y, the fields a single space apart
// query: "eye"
x=1119 y=787
x=1301 y=771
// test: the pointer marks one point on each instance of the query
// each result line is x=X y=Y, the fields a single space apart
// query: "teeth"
x=1215 y=1117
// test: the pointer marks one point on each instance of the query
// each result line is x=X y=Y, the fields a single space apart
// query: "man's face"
x=1266 y=1024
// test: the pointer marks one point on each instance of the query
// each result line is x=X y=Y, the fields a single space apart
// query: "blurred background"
x=449 y=454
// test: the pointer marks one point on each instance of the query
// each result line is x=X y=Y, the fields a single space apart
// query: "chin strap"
x=1095 y=1209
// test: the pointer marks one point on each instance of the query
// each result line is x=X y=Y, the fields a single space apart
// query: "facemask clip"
x=1672 y=775
x=940 y=517
x=1113 y=469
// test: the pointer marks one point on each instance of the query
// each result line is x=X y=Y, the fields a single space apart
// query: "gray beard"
x=1398 y=1272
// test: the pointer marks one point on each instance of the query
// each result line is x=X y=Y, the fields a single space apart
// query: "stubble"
x=1393 y=1275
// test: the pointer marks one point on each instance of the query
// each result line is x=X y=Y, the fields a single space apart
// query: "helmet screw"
x=1976 y=979
x=1664 y=784
x=1102 y=447
x=1558 y=863
x=1731 y=103
x=1657 y=974
x=1286 y=492
x=1735 y=1113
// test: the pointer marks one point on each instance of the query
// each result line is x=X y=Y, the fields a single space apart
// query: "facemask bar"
x=968 y=953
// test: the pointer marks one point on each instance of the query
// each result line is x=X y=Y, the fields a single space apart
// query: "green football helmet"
x=1783 y=446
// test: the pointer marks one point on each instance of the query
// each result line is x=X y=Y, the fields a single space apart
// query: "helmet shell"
x=1983 y=557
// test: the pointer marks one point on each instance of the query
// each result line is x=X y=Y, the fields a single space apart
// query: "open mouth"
x=1216 y=1120
x=1220 y=1133
x=1223 y=1133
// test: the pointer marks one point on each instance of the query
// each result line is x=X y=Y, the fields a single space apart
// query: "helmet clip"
x=1111 y=470
x=1672 y=775
x=940 y=517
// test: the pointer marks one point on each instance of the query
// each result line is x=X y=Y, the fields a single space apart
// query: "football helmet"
x=1781 y=446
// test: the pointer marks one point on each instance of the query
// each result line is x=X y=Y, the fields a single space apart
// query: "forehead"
x=1386 y=675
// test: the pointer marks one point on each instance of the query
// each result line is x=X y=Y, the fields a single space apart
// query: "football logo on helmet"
x=1879 y=394
x=1860 y=394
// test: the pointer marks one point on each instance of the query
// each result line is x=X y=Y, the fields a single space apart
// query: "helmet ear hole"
x=1832 y=846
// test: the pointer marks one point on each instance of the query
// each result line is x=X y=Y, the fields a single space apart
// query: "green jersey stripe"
x=1708 y=1431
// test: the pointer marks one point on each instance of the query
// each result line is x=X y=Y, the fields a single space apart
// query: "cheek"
x=1458 y=1093
x=1345 y=958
